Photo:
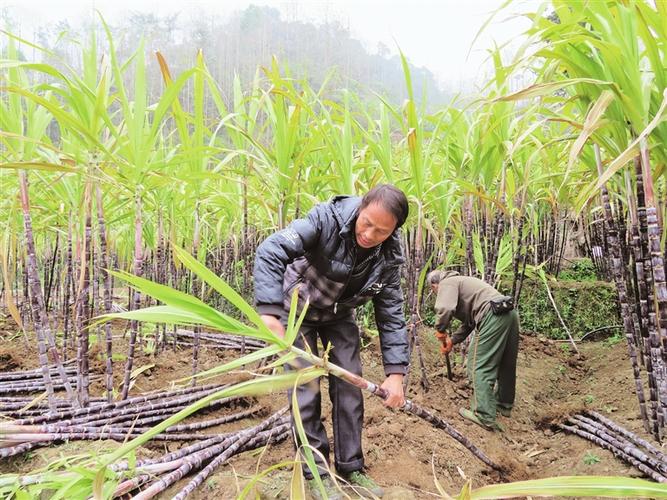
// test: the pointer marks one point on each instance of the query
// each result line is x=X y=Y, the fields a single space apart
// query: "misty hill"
x=243 y=40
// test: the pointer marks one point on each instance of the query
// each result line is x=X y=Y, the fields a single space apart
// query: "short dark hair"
x=391 y=198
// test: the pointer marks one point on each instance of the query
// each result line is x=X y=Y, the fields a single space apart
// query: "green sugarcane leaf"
x=293 y=327
x=188 y=303
x=304 y=448
x=165 y=314
x=265 y=352
x=575 y=486
x=541 y=89
x=33 y=165
x=258 y=477
x=223 y=289
x=282 y=361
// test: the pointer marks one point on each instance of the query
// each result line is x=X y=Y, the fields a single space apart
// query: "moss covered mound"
x=584 y=306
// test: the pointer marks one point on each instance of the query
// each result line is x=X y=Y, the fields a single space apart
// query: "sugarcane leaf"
x=620 y=161
x=22 y=495
x=222 y=288
x=264 y=352
x=131 y=461
x=160 y=314
x=98 y=485
x=575 y=486
x=35 y=165
x=138 y=371
x=293 y=328
x=188 y=303
x=35 y=401
x=304 y=447
x=259 y=476
x=282 y=361
x=297 y=485
x=540 y=89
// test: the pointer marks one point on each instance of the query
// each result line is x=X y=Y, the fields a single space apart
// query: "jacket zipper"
x=349 y=276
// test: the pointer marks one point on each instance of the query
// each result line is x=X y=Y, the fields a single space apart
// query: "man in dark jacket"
x=341 y=255
x=493 y=352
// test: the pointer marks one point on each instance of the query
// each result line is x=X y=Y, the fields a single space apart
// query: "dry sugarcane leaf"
x=592 y=122
x=297 y=485
x=438 y=486
x=138 y=371
x=461 y=473
x=98 y=484
x=34 y=402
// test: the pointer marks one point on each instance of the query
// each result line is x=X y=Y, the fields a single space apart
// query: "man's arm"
x=445 y=304
x=390 y=320
x=462 y=333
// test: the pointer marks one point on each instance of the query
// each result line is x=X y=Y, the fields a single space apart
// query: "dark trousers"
x=347 y=400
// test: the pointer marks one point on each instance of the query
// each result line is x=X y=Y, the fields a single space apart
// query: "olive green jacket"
x=464 y=298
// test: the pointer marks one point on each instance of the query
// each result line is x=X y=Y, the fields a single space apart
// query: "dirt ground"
x=403 y=453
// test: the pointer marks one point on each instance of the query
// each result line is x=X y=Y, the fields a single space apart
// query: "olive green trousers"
x=492 y=364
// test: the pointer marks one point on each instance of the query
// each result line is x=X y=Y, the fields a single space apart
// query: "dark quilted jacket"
x=318 y=253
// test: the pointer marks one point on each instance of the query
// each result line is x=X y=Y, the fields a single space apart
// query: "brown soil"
x=405 y=454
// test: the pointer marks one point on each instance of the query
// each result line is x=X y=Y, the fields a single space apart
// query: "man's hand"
x=445 y=341
x=393 y=384
x=273 y=324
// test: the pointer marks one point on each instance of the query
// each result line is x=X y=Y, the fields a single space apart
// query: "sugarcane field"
x=327 y=250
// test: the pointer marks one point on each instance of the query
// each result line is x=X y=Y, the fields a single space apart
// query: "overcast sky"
x=435 y=34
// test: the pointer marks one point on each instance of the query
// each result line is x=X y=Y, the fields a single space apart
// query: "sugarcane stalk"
x=619 y=278
x=18 y=438
x=44 y=338
x=658 y=268
x=195 y=293
x=131 y=426
x=499 y=228
x=652 y=347
x=138 y=261
x=131 y=484
x=33 y=374
x=408 y=407
x=48 y=278
x=131 y=412
x=106 y=279
x=82 y=299
x=67 y=286
x=183 y=396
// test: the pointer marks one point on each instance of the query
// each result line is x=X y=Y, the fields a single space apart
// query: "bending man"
x=493 y=351
x=341 y=255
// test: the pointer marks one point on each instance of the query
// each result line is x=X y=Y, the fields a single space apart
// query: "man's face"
x=374 y=225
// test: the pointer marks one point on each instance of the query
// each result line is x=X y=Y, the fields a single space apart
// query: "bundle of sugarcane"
x=33 y=380
x=154 y=476
x=22 y=406
x=216 y=340
x=621 y=442
x=119 y=420
x=203 y=456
